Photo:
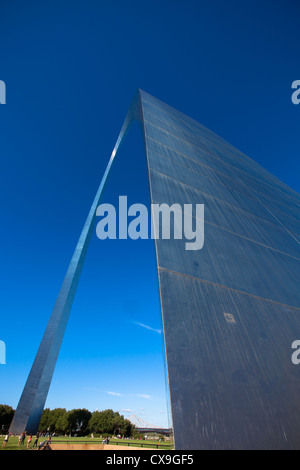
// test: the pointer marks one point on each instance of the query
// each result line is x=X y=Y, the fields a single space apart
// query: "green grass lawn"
x=12 y=443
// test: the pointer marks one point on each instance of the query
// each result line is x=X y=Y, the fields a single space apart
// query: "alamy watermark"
x=2 y=92
x=2 y=352
x=166 y=221
x=296 y=94
x=296 y=354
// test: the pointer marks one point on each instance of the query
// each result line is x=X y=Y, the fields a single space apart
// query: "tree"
x=62 y=424
x=51 y=418
x=6 y=416
x=101 y=421
x=127 y=428
x=78 y=420
x=110 y=422
x=45 y=420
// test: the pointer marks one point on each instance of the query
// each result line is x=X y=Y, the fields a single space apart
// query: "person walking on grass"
x=29 y=441
x=23 y=435
x=5 y=440
x=35 y=444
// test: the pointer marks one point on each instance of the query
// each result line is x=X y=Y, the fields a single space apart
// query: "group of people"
x=106 y=440
x=22 y=438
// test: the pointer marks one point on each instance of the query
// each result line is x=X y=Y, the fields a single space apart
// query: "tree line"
x=77 y=421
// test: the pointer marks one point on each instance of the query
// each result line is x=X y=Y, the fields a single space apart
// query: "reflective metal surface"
x=232 y=309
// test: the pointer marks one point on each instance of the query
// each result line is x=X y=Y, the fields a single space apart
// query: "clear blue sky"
x=71 y=69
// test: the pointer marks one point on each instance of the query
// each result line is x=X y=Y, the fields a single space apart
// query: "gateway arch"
x=230 y=311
